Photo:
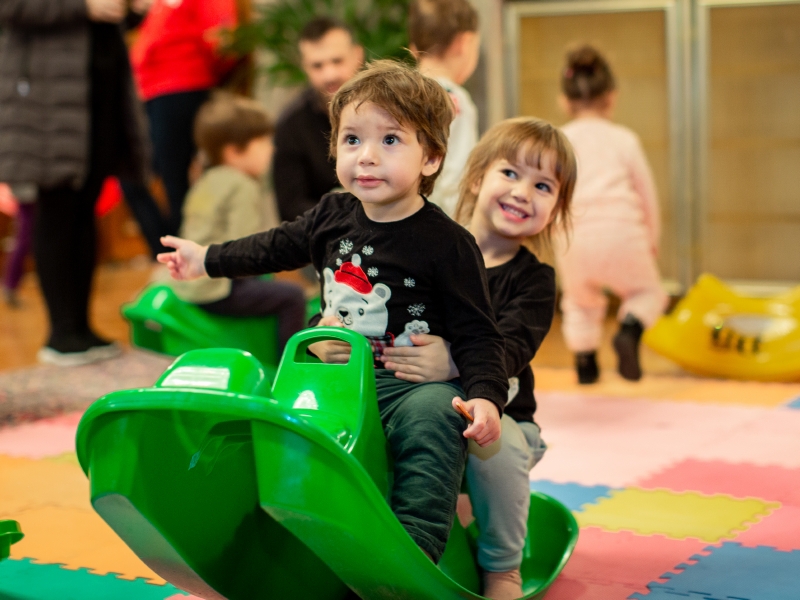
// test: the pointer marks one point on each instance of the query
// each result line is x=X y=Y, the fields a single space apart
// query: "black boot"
x=586 y=365
x=626 y=344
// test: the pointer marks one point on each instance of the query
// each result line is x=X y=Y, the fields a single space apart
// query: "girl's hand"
x=427 y=360
x=485 y=427
x=187 y=262
x=331 y=351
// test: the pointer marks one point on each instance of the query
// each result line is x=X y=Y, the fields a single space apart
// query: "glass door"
x=748 y=209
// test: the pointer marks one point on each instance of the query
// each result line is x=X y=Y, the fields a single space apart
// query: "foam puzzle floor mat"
x=684 y=488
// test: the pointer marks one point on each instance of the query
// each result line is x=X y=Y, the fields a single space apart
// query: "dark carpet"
x=46 y=391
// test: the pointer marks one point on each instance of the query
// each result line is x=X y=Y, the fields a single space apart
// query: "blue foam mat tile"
x=666 y=594
x=25 y=580
x=571 y=495
x=731 y=572
x=661 y=594
x=794 y=403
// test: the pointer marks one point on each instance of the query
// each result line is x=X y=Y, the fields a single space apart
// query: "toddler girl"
x=616 y=224
x=517 y=185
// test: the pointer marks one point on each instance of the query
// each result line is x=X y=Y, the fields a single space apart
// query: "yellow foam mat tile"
x=675 y=515
x=76 y=538
x=678 y=389
x=69 y=458
x=27 y=483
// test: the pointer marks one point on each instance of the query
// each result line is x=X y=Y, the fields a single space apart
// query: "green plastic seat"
x=162 y=322
x=230 y=489
x=10 y=533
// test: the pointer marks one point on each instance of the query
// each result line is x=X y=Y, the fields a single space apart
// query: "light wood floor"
x=24 y=330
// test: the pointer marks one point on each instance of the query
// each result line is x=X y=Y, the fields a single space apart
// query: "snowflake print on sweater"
x=417 y=309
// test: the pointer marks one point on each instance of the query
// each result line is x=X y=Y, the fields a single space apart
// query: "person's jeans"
x=23 y=240
x=171 y=119
x=425 y=435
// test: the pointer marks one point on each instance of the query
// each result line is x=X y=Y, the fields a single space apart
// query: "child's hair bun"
x=587 y=75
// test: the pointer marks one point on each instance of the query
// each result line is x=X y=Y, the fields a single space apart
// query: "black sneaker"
x=77 y=351
x=586 y=365
x=626 y=344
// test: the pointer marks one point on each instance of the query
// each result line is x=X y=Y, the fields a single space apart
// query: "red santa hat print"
x=351 y=274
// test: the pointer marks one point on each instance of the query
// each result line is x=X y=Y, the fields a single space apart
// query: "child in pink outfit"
x=616 y=226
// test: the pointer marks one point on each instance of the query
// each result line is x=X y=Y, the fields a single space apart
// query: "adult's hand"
x=108 y=11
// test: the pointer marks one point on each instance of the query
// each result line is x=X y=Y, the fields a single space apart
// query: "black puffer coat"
x=46 y=59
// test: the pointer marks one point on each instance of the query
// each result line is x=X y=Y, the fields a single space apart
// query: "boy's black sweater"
x=523 y=293
x=422 y=274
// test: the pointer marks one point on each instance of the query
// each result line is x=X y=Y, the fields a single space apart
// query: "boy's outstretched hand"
x=485 y=426
x=187 y=262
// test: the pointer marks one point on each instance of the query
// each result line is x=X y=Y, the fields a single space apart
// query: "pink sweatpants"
x=594 y=260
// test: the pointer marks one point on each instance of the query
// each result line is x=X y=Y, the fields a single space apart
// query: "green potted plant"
x=378 y=25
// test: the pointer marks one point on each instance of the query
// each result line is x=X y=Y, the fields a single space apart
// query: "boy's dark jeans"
x=429 y=450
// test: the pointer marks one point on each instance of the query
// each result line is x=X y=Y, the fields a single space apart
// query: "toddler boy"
x=392 y=264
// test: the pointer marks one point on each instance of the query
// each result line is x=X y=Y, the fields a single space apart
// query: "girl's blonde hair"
x=505 y=140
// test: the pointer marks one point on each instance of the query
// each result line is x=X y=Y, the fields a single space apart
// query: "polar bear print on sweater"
x=351 y=298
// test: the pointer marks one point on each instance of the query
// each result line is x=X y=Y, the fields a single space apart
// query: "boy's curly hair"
x=411 y=98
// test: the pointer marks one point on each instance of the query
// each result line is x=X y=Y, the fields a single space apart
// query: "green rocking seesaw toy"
x=229 y=487
x=160 y=321
x=10 y=534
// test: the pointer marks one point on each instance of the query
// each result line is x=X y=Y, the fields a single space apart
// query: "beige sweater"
x=224 y=204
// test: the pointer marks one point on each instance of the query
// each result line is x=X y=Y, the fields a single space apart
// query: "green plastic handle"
x=10 y=533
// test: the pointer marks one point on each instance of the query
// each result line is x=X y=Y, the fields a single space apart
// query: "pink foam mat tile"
x=625 y=558
x=610 y=419
x=615 y=442
x=564 y=463
x=40 y=439
x=780 y=530
x=768 y=438
x=740 y=480
x=565 y=588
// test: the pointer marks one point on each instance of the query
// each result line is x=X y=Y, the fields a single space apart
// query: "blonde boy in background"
x=228 y=202
x=444 y=39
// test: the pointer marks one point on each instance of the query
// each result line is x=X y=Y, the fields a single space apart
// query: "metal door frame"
x=677 y=36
